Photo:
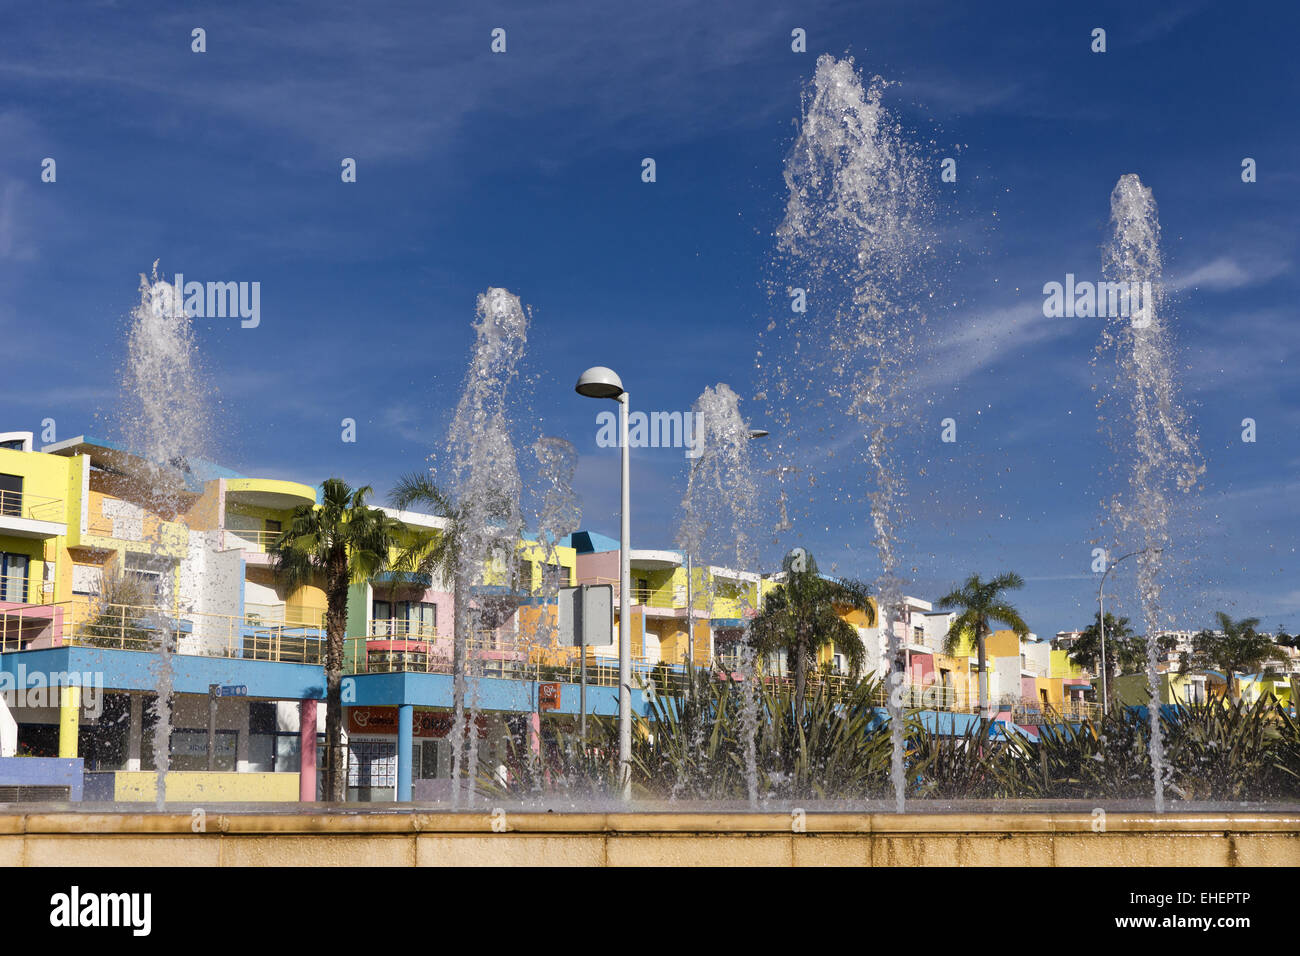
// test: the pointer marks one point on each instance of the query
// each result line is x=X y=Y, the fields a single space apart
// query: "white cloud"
x=1228 y=272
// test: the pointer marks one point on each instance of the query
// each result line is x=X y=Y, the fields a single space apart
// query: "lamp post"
x=601 y=382
x=1101 y=622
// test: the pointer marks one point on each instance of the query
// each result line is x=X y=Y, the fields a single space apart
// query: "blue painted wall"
x=138 y=670
x=43 y=772
x=494 y=694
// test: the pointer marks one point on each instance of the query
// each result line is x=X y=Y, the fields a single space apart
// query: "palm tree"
x=432 y=553
x=439 y=554
x=342 y=541
x=1124 y=650
x=802 y=616
x=981 y=604
x=1240 y=647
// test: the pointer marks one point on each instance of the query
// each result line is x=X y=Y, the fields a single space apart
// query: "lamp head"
x=599 y=382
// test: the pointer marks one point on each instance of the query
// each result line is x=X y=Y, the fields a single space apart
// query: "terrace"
x=24 y=515
x=150 y=629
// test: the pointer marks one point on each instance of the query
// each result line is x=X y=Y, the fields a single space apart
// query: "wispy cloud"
x=1231 y=272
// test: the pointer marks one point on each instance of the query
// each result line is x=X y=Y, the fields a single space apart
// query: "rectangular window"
x=372 y=763
x=87 y=578
x=189 y=749
x=435 y=760
x=11 y=495
x=147 y=571
x=405 y=618
x=554 y=577
x=423 y=617
x=382 y=616
x=13 y=577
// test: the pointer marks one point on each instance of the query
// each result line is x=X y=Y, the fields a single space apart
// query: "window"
x=433 y=759
x=189 y=749
x=554 y=577
x=372 y=763
x=399 y=618
x=145 y=570
x=11 y=495
x=13 y=577
x=524 y=575
x=87 y=579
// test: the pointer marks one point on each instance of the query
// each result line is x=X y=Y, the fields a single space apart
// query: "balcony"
x=670 y=600
x=31 y=516
x=1036 y=713
x=487 y=657
x=151 y=629
x=253 y=542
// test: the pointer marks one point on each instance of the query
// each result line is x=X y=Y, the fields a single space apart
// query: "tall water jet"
x=1159 y=447
x=165 y=421
x=718 y=516
x=486 y=483
x=559 y=513
x=855 y=245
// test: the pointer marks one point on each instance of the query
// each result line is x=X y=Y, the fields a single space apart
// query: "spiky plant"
x=1226 y=752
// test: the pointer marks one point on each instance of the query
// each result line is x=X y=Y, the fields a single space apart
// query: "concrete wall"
x=186 y=787
x=649 y=839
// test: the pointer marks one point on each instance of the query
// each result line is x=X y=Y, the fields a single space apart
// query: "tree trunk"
x=800 y=679
x=983 y=675
x=335 y=630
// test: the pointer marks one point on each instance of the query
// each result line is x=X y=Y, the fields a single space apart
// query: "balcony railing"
x=1033 y=713
x=486 y=657
x=673 y=597
x=402 y=628
x=151 y=629
x=260 y=542
x=18 y=504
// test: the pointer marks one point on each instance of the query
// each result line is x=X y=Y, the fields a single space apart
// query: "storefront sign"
x=548 y=697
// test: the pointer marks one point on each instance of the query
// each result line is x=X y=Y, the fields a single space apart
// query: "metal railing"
x=19 y=504
x=151 y=629
x=384 y=654
x=260 y=542
x=266 y=614
x=673 y=597
x=99 y=526
x=1036 y=713
x=13 y=588
x=401 y=628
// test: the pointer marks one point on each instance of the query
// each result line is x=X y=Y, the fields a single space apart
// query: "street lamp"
x=601 y=382
x=1101 y=622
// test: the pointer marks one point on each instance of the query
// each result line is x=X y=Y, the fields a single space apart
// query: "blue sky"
x=522 y=170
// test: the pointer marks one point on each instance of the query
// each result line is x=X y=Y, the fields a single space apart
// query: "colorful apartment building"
x=117 y=577
x=83 y=522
